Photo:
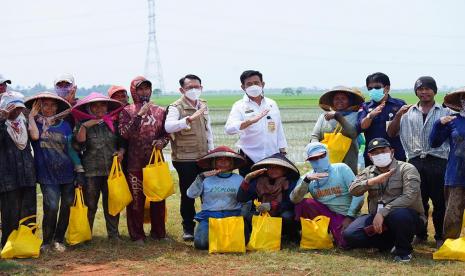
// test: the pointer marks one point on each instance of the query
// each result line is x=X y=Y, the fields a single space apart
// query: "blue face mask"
x=320 y=165
x=377 y=94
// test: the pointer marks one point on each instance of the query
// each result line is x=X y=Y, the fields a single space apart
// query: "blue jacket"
x=453 y=133
x=377 y=128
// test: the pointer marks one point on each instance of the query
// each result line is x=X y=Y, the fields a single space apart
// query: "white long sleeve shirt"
x=175 y=123
x=261 y=139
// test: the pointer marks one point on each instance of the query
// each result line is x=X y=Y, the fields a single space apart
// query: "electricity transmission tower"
x=153 y=70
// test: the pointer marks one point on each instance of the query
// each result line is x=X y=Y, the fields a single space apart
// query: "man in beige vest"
x=189 y=126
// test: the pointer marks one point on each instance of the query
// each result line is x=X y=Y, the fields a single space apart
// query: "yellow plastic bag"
x=147 y=218
x=156 y=178
x=338 y=145
x=266 y=233
x=119 y=195
x=78 y=227
x=22 y=242
x=226 y=235
x=452 y=249
x=315 y=233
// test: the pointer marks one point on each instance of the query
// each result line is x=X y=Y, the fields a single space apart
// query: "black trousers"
x=402 y=224
x=15 y=205
x=187 y=172
x=432 y=170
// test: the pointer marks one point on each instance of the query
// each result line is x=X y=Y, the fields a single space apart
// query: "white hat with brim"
x=65 y=77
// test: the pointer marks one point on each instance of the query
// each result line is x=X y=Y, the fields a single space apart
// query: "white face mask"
x=254 y=91
x=382 y=160
x=193 y=94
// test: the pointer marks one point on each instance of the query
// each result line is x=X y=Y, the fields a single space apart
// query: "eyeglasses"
x=375 y=87
x=314 y=158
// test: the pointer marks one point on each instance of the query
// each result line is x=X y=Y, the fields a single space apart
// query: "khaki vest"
x=190 y=143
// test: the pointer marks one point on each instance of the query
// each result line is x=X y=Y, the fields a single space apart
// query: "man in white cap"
x=3 y=84
x=66 y=88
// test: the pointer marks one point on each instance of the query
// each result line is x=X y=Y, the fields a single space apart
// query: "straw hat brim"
x=277 y=162
x=62 y=103
x=452 y=99
x=112 y=104
x=326 y=100
x=206 y=162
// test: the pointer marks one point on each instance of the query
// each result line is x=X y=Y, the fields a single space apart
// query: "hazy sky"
x=294 y=43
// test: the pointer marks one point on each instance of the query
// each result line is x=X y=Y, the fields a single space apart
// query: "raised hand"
x=446 y=119
x=382 y=178
x=258 y=117
x=197 y=114
x=316 y=176
x=143 y=110
x=35 y=109
x=330 y=115
x=254 y=174
x=403 y=109
x=211 y=173
x=92 y=123
x=377 y=110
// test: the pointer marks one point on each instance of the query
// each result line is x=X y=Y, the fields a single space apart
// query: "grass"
x=177 y=257
x=173 y=256
x=302 y=101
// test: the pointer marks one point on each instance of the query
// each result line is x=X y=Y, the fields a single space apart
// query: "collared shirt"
x=174 y=123
x=262 y=138
x=402 y=190
x=380 y=122
x=414 y=132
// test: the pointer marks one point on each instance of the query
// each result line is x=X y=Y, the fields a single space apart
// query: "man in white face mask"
x=257 y=120
x=395 y=207
x=188 y=123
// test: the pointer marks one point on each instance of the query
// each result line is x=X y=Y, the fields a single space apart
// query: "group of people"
x=414 y=153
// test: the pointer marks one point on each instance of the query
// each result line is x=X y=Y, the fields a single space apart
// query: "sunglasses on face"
x=316 y=157
x=375 y=87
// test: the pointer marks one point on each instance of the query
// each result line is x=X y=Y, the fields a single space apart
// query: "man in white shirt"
x=191 y=138
x=257 y=120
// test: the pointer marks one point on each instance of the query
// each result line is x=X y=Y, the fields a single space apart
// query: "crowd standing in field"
x=415 y=153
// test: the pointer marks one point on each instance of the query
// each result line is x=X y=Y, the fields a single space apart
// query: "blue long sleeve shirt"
x=379 y=124
x=453 y=133
x=334 y=193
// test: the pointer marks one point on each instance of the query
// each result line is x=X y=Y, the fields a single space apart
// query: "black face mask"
x=144 y=99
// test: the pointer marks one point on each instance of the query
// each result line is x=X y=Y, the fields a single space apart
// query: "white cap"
x=3 y=79
x=11 y=97
x=64 y=77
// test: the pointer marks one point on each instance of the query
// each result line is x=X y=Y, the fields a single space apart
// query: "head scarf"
x=16 y=128
x=80 y=115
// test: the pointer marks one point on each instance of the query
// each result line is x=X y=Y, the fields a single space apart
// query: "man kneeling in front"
x=394 y=204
